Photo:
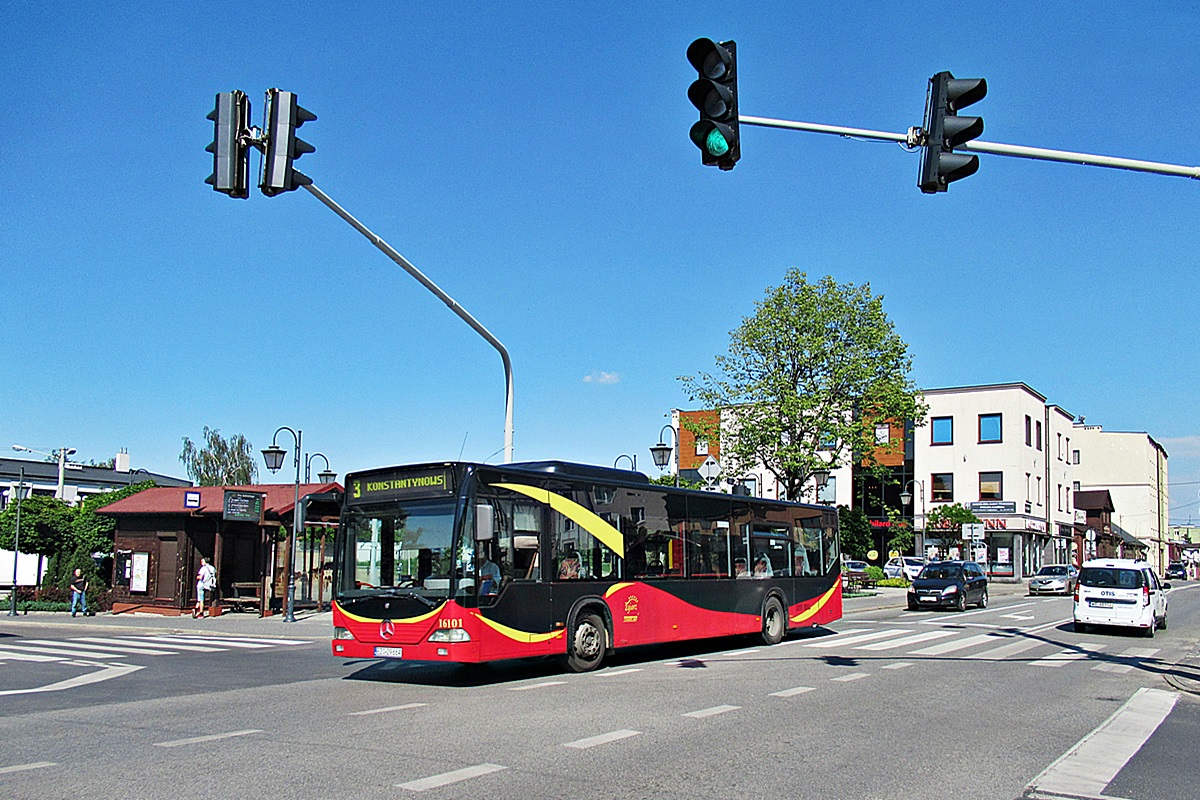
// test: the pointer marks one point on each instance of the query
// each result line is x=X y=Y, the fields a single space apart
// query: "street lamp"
x=325 y=476
x=273 y=456
x=906 y=499
x=134 y=472
x=12 y=598
x=661 y=452
x=61 y=454
x=632 y=461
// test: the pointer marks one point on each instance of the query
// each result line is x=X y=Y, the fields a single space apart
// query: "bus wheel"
x=774 y=622
x=585 y=651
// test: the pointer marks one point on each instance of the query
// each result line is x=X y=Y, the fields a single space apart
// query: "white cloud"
x=602 y=377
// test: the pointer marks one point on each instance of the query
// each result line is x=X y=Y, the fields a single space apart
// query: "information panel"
x=243 y=506
x=399 y=485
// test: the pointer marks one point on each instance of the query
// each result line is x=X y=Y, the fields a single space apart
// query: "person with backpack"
x=206 y=585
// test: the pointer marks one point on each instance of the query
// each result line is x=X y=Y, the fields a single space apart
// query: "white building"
x=1133 y=467
x=999 y=450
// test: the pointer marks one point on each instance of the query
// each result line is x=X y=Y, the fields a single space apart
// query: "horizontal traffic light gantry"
x=945 y=130
x=714 y=94
x=230 y=145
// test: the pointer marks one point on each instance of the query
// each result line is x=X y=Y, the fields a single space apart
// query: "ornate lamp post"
x=325 y=476
x=273 y=456
x=661 y=452
x=632 y=461
x=906 y=499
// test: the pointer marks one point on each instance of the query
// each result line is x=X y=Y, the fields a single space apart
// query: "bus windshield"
x=405 y=545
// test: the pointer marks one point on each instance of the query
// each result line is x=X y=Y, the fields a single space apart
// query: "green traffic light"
x=715 y=143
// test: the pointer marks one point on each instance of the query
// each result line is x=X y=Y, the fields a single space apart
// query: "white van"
x=1122 y=592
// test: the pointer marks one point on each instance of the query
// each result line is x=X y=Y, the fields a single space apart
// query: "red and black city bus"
x=463 y=562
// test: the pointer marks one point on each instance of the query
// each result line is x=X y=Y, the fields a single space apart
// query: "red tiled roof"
x=280 y=497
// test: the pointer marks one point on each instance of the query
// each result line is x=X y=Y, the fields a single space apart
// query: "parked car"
x=1120 y=592
x=1176 y=571
x=850 y=565
x=907 y=567
x=1054 y=579
x=952 y=584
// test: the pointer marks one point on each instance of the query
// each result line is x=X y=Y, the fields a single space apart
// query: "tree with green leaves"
x=855 y=532
x=947 y=521
x=806 y=379
x=220 y=462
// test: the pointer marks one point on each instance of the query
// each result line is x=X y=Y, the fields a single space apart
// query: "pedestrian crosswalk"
x=1031 y=646
x=90 y=650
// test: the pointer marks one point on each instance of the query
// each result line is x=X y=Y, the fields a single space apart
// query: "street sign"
x=710 y=469
x=191 y=499
x=973 y=531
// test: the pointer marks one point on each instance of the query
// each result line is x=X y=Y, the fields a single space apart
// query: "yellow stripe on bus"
x=521 y=636
x=406 y=621
x=817 y=606
x=581 y=516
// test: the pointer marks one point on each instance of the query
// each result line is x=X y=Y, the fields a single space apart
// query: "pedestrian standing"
x=206 y=584
x=79 y=587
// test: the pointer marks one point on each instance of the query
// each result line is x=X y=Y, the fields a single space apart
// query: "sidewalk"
x=896 y=597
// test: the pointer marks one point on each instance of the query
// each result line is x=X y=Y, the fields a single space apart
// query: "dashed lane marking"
x=710 y=712
x=446 y=778
x=604 y=738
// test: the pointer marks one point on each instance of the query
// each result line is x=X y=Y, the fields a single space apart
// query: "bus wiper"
x=397 y=591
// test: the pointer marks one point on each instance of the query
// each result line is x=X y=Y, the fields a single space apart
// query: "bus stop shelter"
x=162 y=533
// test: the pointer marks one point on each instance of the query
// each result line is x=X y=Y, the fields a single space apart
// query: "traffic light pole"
x=914 y=139
x=445 y=298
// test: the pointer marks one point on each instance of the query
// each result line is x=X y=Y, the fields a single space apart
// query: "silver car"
x=1054 y=579
x=907 y=567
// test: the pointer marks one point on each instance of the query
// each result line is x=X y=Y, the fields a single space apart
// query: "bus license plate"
x=1099 y=604
x=389 y=652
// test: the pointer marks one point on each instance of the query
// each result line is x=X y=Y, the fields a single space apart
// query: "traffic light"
x=946 y=130
x=230 y=148
x=284 y=116
x=714 y=94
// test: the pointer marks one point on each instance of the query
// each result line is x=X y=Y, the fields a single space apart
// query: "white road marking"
x=604 y=738
x=899 y=665
x=619 y=672
x=710 y=712
x=212 y=737
x=1006 y=650
x=793 y=692
x=1120 y=669
x=853 y=676
x=743 y=652
x=916 y=638
x=112 y=648
x=446 y=778
x=23 y=767
x=529 y=686
x=246 y=644
x=957 y=644
x=144 y=642
x=385 y=710
x=176 y=643
x=103 y=674
x=1140 y=652
x=1088 y=767
x=53 y=651
x=15 y=656
x=1067 y=656
x=839 y=641
x=1021 y=617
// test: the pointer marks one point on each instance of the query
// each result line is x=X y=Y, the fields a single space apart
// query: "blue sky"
x=533 y=160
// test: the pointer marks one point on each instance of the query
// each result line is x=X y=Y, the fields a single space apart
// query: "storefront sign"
x=993 y=507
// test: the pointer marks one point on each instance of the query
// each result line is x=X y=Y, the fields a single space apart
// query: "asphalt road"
x=999 y=703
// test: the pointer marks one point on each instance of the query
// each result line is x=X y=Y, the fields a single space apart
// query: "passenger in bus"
x=739 y=568
x=568 y=568
x=762 y=566
x=489 y=577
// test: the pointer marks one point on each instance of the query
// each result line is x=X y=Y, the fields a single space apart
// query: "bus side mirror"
x=484 y=523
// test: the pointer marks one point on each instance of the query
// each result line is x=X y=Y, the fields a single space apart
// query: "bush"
x=898 y=583
x=54 y=598
x=876 y=573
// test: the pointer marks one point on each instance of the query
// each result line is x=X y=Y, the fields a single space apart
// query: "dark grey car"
x=949 y=584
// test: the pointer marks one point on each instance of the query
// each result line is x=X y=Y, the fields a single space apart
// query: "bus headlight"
x=450 y=635
x=342 y=633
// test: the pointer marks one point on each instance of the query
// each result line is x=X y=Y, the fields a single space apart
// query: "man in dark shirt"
x=79 y=587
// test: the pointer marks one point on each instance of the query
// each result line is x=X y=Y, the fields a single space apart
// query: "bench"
x=857 y=582
x=246 y=596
